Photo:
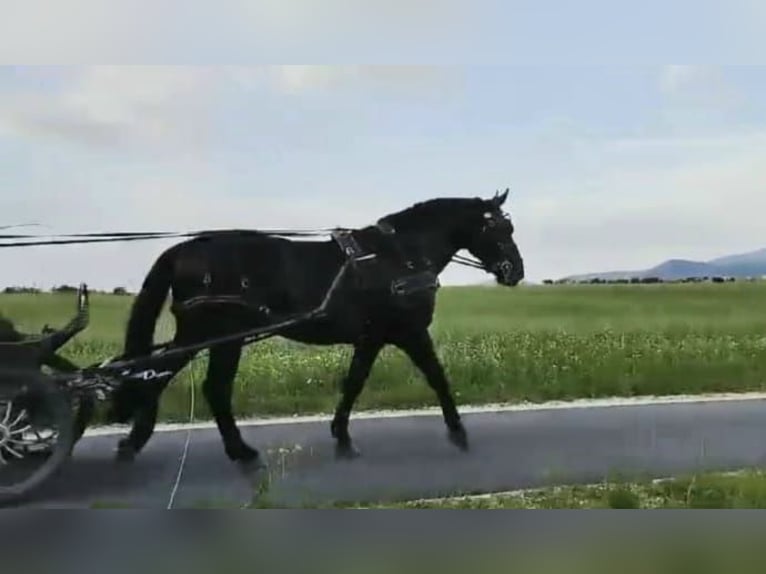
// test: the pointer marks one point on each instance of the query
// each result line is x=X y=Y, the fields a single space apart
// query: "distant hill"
x=752 y=264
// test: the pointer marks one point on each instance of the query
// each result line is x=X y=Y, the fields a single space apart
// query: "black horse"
x=229 y=281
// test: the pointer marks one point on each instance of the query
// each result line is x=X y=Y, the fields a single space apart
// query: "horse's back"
x=259 y=272
x=252 y=269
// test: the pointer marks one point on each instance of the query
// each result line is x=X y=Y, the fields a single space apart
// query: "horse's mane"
x=426 y=212
x=422 y=214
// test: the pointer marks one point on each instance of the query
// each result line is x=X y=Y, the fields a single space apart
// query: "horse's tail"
x=147 y=306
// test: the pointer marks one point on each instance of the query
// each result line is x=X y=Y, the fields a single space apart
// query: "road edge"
x=610 y=402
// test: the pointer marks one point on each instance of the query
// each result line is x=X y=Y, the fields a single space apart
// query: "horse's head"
x=443 y=226
x=490 y=240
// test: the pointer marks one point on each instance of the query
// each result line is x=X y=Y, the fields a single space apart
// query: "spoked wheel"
x=36 y=433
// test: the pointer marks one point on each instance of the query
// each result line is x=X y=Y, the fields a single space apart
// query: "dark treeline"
x=647 y=281
x=62 y=289
x=595 y=281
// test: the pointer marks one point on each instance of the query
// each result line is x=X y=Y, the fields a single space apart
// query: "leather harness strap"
x=354 y=252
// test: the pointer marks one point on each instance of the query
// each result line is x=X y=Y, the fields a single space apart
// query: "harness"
x=367 y=263
x=370 y=271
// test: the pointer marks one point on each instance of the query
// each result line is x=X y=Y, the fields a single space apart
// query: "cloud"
x=236 y=31
x=114 y=106
x=675 y=78
x=183 y=199
x=630 y=214
x=324 y=136
x=296 y=79
x=705 y=203
x=172 y=107
x=393 y=30
x=697 y=86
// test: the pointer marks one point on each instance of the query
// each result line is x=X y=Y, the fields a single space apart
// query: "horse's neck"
x=434 y=245
x=443 y=258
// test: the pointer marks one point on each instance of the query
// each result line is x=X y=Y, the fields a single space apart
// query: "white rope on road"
x=185 y=452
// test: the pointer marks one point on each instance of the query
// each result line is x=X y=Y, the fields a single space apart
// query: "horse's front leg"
x=419 y=347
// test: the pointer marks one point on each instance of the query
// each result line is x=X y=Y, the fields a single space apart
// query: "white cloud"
x=115 y=105
x=687 y=86
x=675 y=78
x=125 y=95
x=382 y=31
x=294 y=79
x=706 y=203
x=629 y=215
x=622 y=203
x=177 y=200
x=172 y=106
x=81 y=31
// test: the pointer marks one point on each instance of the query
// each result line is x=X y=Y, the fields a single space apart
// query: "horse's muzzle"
x=509 y=273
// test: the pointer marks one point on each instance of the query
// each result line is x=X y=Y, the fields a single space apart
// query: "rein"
x=19 y=240
x=468 y=262
x=76 y=238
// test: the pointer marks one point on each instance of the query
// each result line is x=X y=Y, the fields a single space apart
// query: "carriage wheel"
x=36 y=433
x=86 y=409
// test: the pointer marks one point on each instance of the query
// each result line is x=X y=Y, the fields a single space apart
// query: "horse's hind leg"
x=365 y=354
x=143 y=403
x=420 y=349
x=218 y=388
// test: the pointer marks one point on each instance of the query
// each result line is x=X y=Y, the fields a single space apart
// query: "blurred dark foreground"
x=403 y=541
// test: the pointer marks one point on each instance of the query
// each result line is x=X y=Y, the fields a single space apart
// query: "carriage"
x=266 y=283
x=46 y=401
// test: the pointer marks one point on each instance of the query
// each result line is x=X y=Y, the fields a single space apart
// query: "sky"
x=551 y=32
x=610 y=166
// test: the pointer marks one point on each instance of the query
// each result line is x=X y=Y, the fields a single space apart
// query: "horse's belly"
x=326 y=331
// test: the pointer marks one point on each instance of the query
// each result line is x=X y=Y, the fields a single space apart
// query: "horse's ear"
x=500 y=199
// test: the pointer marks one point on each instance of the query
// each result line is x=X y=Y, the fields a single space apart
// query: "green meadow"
x=532 y=343
x=712 y=490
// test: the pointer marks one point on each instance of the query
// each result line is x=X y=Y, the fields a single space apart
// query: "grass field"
x=741 y=490
x=497 y=344
x=745 y=490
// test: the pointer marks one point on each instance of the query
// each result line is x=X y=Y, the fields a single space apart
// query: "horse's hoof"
x=346 y=451
x=243 y=453
x=339 y=429
x=459 y=438
x=125 y=452
x=251 y=465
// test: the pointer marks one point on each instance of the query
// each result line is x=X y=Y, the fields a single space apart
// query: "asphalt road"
x=411 y=458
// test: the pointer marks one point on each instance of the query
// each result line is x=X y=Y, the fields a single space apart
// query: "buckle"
x=424 y=281
x=347 y=243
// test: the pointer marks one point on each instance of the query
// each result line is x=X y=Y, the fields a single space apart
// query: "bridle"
x=502 y=267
